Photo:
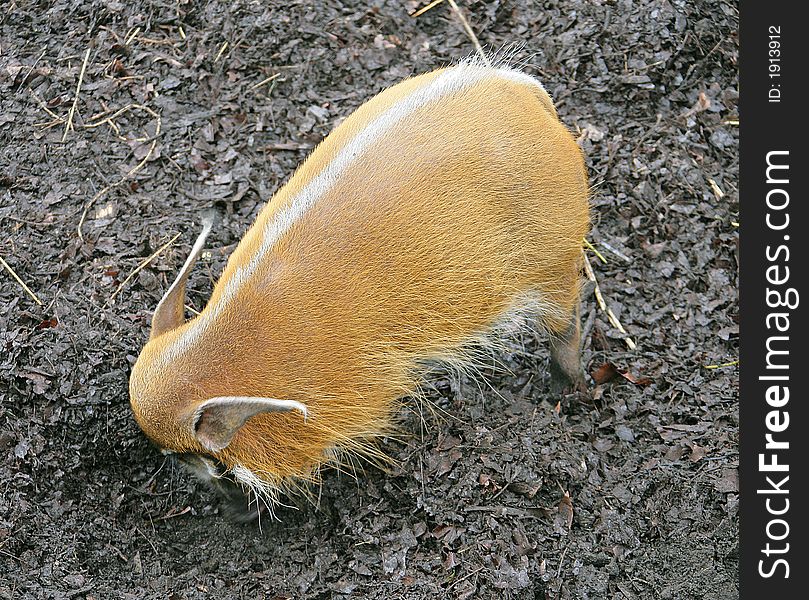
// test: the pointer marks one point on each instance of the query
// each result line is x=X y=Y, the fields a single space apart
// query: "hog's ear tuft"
x=217 y=420
x=170 y=310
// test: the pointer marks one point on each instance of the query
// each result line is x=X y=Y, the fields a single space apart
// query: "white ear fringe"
x=170 y=308
x=253 y=404
x=216 y=421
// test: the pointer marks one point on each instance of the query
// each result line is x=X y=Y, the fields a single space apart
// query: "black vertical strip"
x=774 y=541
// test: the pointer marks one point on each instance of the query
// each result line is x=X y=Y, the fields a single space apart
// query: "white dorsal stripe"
x=452 y=80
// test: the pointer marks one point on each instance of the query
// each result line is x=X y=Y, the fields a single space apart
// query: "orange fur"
x=473 y=207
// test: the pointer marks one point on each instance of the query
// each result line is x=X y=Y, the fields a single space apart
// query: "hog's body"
x=434 y=212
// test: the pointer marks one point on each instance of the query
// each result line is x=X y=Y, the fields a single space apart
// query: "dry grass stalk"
x=57 y=120
x=134 y=169
x=424 y=9
x=20 y=281
x=594 y=251
x=732 y=363
x=34 y=66
x=72 y=111
x=469 y=32
x=141 y=266
x=603 y=305
x=221 y=52
x=464 y=23
x=717 y=191
x=263 y=81
x=131 y=36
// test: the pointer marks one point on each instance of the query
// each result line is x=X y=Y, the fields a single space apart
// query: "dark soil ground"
x=514 y=493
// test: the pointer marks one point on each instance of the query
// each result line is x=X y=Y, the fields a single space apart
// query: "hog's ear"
x=170 y=311
x=217 y=420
